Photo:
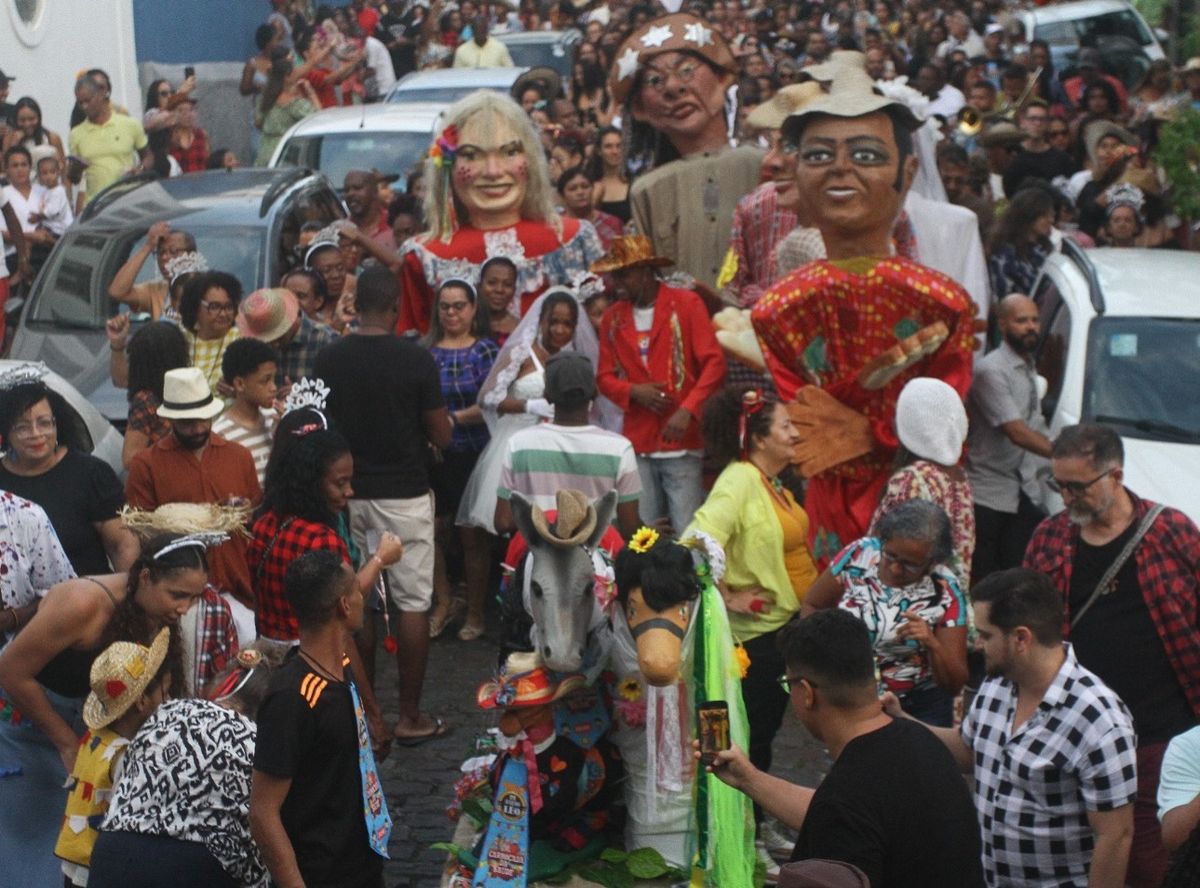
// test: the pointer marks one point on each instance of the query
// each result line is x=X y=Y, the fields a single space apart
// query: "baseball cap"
x=567 y=374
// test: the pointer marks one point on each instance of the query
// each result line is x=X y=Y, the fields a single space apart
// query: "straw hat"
x=679 y=32
x=185 y=518
x=545 y=79
x=1002 y=135
x=524 y=681
x=268 y=314
x=629 y=251
x=573 y=522
x=120 y=675
x=186 y=395
x=852 y=94
x=790 y=99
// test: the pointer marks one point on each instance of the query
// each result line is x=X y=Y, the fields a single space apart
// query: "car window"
x=1087 y=31
x=316 y=204
x=1142 y=377
x=1055 y=340
x=65 y=286
x=335 y=154
x=548 y=54
x=442 y=95
x=237 y=250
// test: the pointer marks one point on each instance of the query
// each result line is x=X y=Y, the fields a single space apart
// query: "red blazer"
x=684 y=354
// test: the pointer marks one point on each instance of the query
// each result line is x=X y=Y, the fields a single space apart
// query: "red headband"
x=752 y=402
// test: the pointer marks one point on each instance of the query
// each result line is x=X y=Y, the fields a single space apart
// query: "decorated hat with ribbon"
x=524 y=681
x=120 y=675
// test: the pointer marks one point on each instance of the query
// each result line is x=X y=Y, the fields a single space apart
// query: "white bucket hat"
x=931 y=421
x=186 y=395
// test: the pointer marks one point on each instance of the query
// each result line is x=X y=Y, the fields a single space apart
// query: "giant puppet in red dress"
x=490 y=195
x=841 y=336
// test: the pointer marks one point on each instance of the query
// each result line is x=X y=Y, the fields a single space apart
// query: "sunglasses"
x=787 y=682
x=1075 y=488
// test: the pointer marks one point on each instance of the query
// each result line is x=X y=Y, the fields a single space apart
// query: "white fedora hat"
x=186 y=395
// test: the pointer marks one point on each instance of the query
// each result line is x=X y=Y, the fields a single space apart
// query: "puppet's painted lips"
x=495 y=190
x=686 y=110
x=840 y=194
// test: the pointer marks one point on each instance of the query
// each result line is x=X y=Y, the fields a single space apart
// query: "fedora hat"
x=573 y=523
x=186 y=395
x=268 y=314
x=544 y=78
x=524 y=681
x=678 y=32
x=771 y=114
x=629 y=251
x=120 y=675
x=852 y=94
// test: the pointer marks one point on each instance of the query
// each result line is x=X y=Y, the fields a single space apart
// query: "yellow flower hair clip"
x=643 y=540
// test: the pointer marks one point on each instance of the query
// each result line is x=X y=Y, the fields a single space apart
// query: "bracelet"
x=380 y=560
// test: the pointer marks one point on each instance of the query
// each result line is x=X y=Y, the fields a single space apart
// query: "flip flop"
x=440 y=729
x=471 y=631
x=454 y=612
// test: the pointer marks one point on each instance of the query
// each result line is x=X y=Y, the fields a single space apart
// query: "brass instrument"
x=970 y=122
x=1031 y=80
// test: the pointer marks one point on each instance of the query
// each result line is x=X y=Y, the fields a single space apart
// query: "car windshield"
x=545 y=53
x=1142 y=377
x=1090 y=31
x=440 y=95
x=335 y=154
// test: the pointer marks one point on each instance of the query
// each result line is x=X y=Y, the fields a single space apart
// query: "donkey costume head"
x=559 y=578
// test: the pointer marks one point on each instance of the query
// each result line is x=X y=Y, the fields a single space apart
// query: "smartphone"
x=189 y=71
x=714 y=729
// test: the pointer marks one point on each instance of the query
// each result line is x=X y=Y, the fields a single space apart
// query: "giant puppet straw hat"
x=771 y=114
x=120 y=675
x=680 y=32
x=629 y=251
x=523 y=681
x=852 y=94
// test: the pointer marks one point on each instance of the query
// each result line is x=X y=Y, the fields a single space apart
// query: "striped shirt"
x=257 y=441
x=544 y=459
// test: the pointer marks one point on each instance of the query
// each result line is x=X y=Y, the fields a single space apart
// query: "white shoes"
x=771 y=876
x=776 y=838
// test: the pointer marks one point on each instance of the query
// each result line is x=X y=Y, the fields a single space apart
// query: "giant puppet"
x=841 y=336
x=489 y=195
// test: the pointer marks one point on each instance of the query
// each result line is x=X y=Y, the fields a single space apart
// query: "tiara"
x=1125 y=195
x=587 y=284
x=185 y=263
x=306 y=392
x=204 y=540
x=25 y=373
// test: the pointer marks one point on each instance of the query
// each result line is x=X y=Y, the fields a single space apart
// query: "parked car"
x=445 y=86
x=553 y=49
x=246 y=222
x=1120 y=345
x=100 y=438
x=1127 y=44
x=390 y=138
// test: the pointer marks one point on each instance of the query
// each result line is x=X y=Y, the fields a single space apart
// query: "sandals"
x=439 y=729
x=471 y=631
x=438 y=625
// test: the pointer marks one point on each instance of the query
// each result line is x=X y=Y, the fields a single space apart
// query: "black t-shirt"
x=380 y=387
x=1117 y=640
x=396 y=26
x=895 y=805
x=78 y=492
x=307 y=733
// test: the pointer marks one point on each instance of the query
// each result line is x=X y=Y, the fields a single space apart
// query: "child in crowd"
x=54 y=214
x=129 y=681
x=248 y=367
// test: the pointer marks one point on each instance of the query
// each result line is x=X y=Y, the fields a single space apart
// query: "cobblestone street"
x=419 y=780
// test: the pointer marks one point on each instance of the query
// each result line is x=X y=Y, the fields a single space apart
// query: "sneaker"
x=771 y=868
x=775 y=838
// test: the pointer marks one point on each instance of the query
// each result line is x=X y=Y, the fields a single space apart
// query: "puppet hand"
x=830 y=432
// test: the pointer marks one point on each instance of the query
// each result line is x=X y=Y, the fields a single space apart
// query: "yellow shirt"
x=493 y=54
x=109 y=148
x=89 y=791
x=207 y=354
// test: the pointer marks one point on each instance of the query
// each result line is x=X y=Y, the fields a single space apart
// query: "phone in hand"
x=189 y=71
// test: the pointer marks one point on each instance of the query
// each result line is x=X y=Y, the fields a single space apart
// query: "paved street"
x=419 y=781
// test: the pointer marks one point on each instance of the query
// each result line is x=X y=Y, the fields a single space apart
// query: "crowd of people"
x=320 y=468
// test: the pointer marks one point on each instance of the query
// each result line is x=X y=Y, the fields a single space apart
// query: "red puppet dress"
x=820 y=326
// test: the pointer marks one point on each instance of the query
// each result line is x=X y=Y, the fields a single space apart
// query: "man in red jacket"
x=659 y=362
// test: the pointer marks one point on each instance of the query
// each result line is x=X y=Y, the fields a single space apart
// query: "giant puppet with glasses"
x=841 y=336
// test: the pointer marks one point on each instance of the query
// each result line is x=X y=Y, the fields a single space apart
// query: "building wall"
x=64 y=37
x=187 y=31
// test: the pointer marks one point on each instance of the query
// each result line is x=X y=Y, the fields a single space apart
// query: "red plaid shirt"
x=194 y=158
x=216 y=637
x=1168 y=569
x=268 y=563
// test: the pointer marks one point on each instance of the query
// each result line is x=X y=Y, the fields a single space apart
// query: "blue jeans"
x=671 y=488
x=929 y=704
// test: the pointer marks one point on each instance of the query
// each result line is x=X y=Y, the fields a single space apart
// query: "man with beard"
x=1051 y=747
x=1003 y=407
x=1126 y=573
x=367 y=211
x=192 y=465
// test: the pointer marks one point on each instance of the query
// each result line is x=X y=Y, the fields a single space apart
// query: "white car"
x=1120 y=346
x=445 y=86
x=1127 y=44
x=390 y=138
x=100 y=436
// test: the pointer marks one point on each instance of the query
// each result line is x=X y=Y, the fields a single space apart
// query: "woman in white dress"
x=512 y=395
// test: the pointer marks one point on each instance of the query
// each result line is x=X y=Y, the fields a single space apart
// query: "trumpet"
x=970 y=122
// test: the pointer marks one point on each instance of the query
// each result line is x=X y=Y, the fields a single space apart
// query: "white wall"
x=66 y=37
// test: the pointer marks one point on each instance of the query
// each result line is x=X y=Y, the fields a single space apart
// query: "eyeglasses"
x=909 y=567
x=787 y=682
x=42 y=425
x=163 y=92
x=1076 y=488
x=218 y=307
x=684 y=71
x=454 y=307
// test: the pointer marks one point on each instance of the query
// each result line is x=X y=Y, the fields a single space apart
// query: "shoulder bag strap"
x=262 y=562
x=1102 y=588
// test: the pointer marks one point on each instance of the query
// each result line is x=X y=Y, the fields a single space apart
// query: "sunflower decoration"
x=630 y=690
x=643 y=540
x=742 y=659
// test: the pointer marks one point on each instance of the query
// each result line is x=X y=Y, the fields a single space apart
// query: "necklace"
x=316 y=664
x=774 y=485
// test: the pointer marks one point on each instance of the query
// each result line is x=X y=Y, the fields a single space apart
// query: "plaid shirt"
x=759 y=226
x=216 y=637
x=298 y=356
x=273 y=615
x=1168 y=571
x=1034 y=788
x=194 y=158
x=143 y=417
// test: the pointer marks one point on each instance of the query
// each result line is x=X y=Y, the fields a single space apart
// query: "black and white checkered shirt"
x=1034 y=789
